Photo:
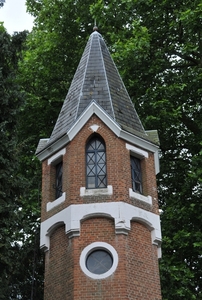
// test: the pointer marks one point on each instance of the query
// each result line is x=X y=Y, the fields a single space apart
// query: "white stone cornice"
x=122 y=213
x=96 y=109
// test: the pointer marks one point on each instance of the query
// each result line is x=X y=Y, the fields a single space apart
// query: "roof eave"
x=95 y=108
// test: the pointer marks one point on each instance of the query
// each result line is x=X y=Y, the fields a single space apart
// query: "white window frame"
x=141 y=154
x=53 y=160
x=96 y=246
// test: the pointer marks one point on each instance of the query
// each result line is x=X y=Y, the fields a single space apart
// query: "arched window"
x=96 y=176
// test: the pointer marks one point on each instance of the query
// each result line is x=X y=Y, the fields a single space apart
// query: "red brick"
x=137 y=274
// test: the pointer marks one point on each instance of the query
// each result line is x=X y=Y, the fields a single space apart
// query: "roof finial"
x=95 y=28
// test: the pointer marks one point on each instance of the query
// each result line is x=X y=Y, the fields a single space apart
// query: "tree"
x=158 y=49
x=19 y=251
x=8 y=181
x=162 y=51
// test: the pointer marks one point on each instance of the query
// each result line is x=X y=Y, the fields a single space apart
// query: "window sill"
x=96 y=192
x=146 y=199
x=58 y=201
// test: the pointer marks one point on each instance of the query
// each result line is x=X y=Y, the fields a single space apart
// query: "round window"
x=99 y=260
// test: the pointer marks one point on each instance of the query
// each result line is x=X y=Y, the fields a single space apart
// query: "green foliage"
x=164 y=78
x=10 y=102
x=157 y=46
x=20 y=258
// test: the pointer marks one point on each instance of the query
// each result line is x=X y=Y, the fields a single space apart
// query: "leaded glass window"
x=58 y=179
x=96 y=176
x=136 y=174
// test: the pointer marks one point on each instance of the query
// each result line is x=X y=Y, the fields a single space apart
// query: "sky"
x=15 y=17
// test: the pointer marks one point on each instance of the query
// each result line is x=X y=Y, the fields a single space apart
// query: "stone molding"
x=122 y=213
x=58 y=201
x=139 y=152
x=54 y=157
x=137 y=196
x=94 y=108
x=96 y=192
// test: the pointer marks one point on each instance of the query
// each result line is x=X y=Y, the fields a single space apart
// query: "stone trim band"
x=122 y=213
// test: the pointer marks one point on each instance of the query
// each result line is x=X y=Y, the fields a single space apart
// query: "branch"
x=190 y=124
x=186 y=57
x=181 y=66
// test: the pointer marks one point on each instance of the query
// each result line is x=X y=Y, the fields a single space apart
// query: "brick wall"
x=118 y=172
x=59 y=266
x=137 y=274
x=141 y=265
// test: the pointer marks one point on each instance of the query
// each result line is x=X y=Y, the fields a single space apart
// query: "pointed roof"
x=96 y=80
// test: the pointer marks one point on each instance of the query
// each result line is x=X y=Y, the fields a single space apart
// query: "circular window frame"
x=98 y=246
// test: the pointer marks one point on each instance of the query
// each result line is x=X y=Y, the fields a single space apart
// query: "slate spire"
x=97 y=79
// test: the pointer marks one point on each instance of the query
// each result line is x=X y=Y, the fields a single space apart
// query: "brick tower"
x=100 y=225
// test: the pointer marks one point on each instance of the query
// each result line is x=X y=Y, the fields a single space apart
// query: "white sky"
x=15 y=17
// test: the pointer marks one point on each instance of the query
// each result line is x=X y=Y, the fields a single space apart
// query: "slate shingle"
x=97 y=79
